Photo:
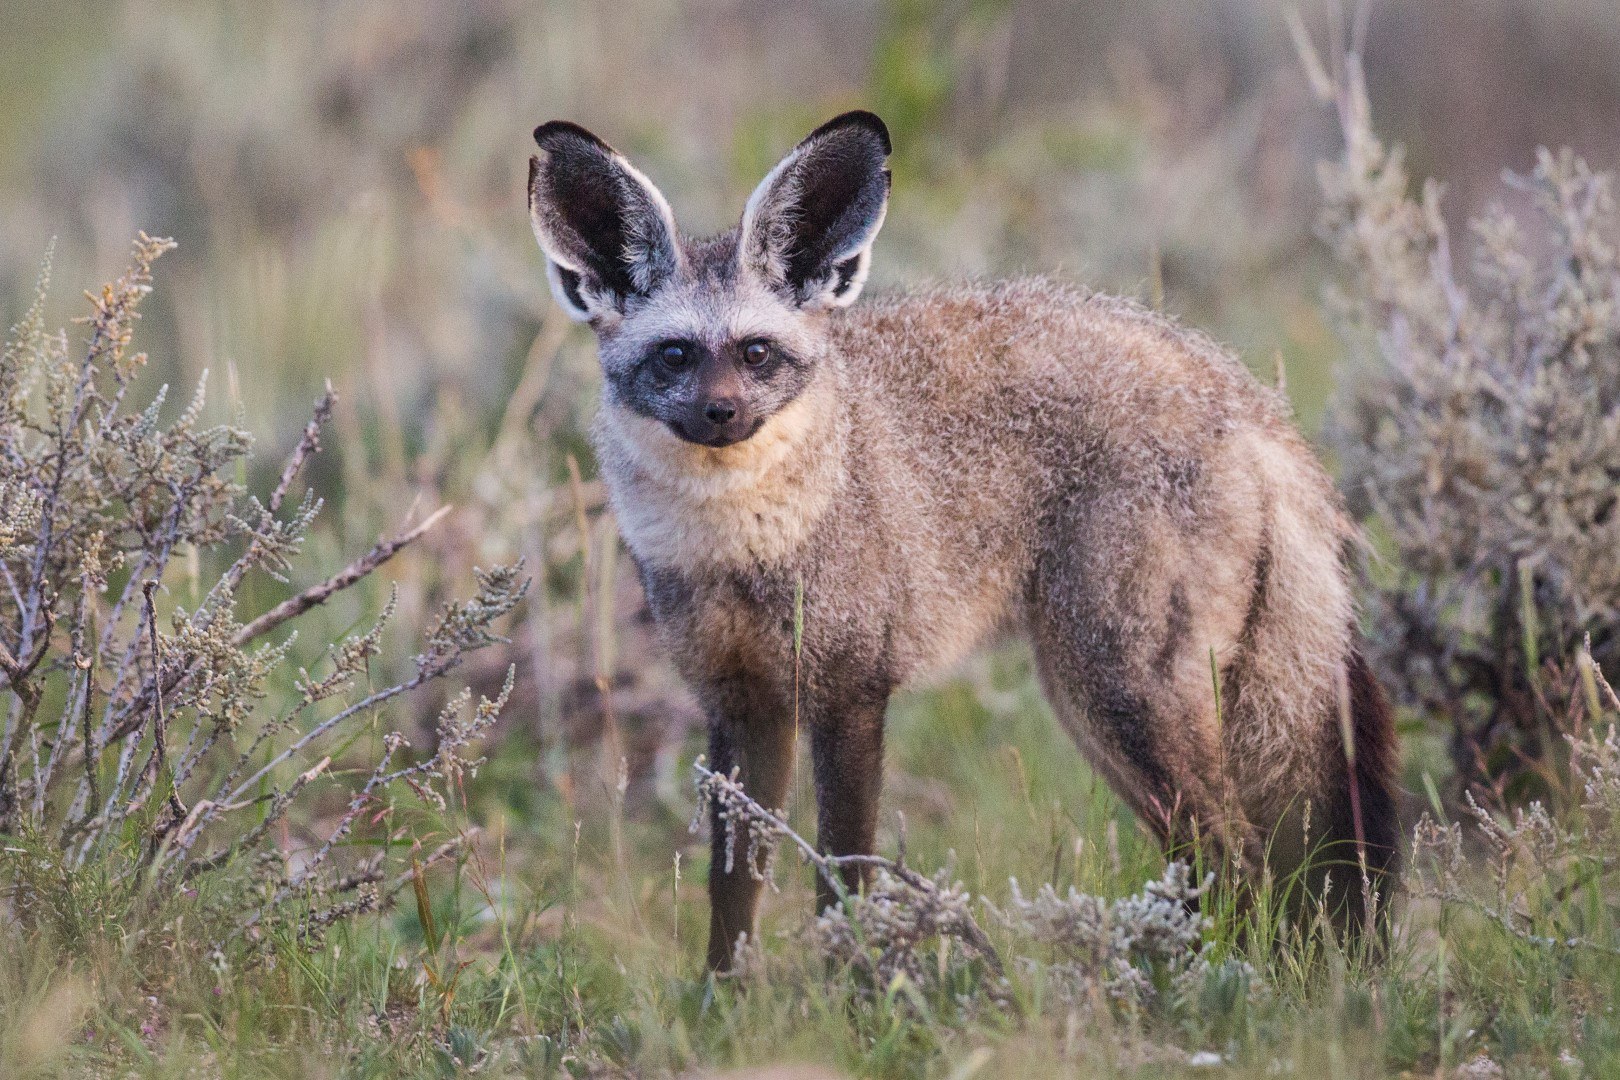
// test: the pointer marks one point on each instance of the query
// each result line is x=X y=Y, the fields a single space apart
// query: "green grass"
x=553 y=951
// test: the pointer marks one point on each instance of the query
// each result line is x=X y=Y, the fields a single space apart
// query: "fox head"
x=709 y=338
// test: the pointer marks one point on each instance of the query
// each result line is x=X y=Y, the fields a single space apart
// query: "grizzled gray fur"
x=939 y=467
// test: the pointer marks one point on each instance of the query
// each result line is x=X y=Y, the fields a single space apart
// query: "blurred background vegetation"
x=345 y=181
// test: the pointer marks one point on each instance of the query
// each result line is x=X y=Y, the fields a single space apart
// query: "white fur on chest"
x=682 y=506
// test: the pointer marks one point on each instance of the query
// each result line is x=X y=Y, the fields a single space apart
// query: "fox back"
x=931 y=469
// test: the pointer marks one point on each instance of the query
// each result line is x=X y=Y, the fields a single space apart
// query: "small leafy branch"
x=147 y=760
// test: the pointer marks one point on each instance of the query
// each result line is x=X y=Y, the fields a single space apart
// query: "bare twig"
x=733 y=800
x=355 y=571
x=309 y=444
x=8 y=663
x=160 y=721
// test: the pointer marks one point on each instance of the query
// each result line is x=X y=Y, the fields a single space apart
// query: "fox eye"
x=755 y=353
x=674 y=355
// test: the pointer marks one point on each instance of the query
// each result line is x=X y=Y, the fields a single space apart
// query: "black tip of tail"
x=1365 y=816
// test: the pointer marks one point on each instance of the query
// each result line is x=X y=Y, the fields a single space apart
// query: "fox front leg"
x=760 y=747
x=846 y=746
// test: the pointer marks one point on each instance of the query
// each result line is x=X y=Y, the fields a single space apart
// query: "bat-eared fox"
x=929 y=469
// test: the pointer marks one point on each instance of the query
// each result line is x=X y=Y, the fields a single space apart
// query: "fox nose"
x=720 y=412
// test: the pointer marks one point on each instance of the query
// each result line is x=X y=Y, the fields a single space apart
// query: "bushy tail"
x=1365 y=822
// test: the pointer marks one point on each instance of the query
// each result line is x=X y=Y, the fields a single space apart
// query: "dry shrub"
x=1553 y=878
x=144 y=764
x=894 y=934
x=1144 y=950
x=1481 y=442
x=900 y=930
x=912 y=937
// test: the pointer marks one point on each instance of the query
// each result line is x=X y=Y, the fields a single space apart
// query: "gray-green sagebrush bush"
x=906 y=935
x=141 y=760
x=1555 y=880
x=1482 y=443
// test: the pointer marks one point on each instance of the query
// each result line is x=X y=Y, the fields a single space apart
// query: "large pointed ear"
x=809 y=226
x=607 y=232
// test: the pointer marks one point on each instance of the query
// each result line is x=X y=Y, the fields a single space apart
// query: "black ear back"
x=606 y=230
x=810 y=224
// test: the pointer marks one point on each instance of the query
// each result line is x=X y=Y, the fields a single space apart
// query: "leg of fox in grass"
x=1169 y=776
x=760 y=746
x=847 y=749
x=1122 y=638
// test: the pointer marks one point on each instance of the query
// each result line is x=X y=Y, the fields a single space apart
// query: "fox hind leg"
x=1128 y=620
x=1169 y=777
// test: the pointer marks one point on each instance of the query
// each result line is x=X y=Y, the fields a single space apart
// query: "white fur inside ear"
x=836 y=296
x=559 y=270
x=766 y=252
x=841 y=290
x=555 y=272
x=648 y=253
x=861 y=252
